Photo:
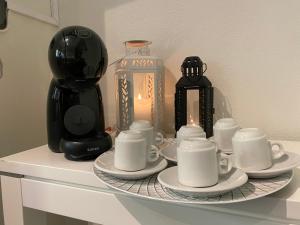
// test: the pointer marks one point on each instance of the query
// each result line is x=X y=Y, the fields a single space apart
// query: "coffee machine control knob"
x=79 y=120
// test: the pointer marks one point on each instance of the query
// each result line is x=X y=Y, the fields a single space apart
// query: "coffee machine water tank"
x=75 y=118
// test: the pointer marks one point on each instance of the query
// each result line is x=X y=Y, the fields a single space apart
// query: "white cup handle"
x=211 y=139
x=153 y=154
x=159 y=139
x=170 y=140
x=277 y=153
x=224 y=161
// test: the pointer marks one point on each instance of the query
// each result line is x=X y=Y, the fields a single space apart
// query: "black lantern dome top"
x=192 y=70
x=77 y=53
x=192 y=67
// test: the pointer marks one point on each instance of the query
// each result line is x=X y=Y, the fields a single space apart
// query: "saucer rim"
x=133 y=174
x=278 y=171
x=161 y=153
x=200 y=190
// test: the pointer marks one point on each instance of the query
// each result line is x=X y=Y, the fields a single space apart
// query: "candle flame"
x=192 y=121
x=139 y=97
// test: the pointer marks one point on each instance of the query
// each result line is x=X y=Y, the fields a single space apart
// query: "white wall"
x=23 y=93
x=24 y=85
x=252 y=49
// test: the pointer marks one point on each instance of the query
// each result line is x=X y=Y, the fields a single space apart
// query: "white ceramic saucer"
x=169 y=151
x=105 y=163
x=234 y=179
x=286 y=163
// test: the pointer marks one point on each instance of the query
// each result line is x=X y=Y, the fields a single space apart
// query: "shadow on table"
x=267 y=210
x=155 y=212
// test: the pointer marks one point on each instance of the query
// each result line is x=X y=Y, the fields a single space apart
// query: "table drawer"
x=75 y=202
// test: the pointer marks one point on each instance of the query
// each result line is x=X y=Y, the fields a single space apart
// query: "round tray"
x=150 y=188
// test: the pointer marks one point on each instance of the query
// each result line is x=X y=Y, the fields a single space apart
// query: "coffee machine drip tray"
x=85 y=148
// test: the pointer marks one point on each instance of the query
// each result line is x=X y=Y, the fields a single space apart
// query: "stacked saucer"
x=105 y=163
x=169 y=179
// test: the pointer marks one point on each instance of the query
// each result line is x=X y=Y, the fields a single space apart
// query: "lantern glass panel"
x=143 y=96
x=193 y=107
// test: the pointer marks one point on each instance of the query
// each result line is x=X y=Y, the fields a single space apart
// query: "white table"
x=43 y=180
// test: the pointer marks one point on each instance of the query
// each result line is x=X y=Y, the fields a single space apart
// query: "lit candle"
x=191 y=121
x=142 y=108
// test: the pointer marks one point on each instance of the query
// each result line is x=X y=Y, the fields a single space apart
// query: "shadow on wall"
x=156 y=212
x=222 y=105
x=169 y=114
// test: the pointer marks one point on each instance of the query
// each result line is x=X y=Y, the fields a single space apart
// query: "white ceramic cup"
x=252 y=150
x=131 y=151
x=200 y=163
x=144 y=126
x=189 y=131
x=224 y=129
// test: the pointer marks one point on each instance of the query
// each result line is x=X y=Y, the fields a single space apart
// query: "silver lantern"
x=140 y=86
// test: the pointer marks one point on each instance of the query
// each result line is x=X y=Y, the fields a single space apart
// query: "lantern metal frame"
x=193 y=79
x=138 y=62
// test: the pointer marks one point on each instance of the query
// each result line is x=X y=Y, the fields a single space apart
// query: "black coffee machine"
x=75 y=118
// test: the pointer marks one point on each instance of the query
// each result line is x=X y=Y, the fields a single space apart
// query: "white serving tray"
x=150 y=188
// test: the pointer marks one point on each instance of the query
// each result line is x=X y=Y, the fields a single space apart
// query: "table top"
x=41 y=163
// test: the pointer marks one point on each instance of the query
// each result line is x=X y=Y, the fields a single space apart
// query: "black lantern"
x=194 y=96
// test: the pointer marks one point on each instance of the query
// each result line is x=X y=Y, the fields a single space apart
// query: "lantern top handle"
x=137 y=43
x=193 y=66
x=137 y=47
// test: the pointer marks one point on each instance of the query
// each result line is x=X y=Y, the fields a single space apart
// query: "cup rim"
x=141 y=129
x=123 y=139
x=234 y=123
x=143 y=122
x=196 y=148
x=225 y=128
x=129 y=140
x=192 y=134
x=194 y=127
x=244 y=139
x=189 y=150
x=131 y=127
